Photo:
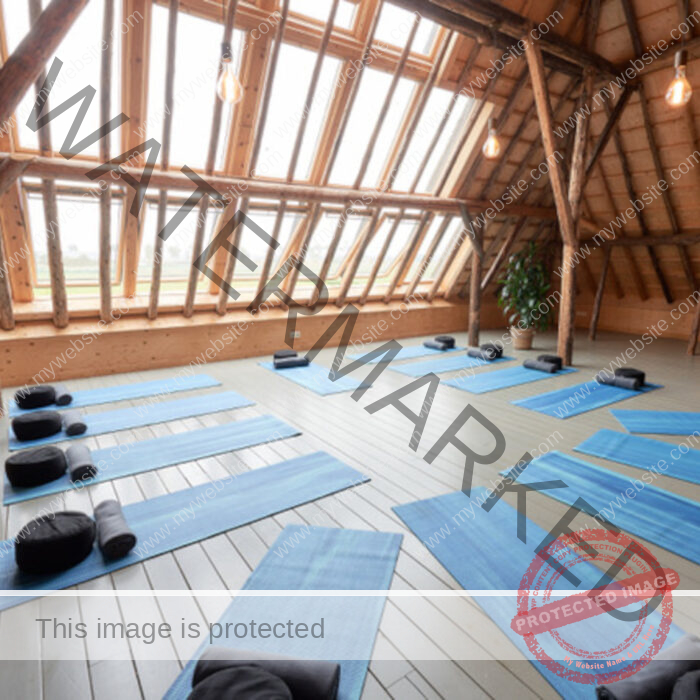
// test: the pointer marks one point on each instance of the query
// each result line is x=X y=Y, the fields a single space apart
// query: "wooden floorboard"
x=412 y=628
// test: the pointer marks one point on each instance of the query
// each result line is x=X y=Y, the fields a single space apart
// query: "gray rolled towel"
x=80 y=464
x=73 y=423
x=548 y=367
x=481 y=354
x=63 y=396
x=114 y=536
x=620 y=382
x=657 y=679
x=311 y=680
x=437 y=345
x=289 y=362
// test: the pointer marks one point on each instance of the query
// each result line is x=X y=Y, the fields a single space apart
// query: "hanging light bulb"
x=228 y=87
x=680 y=90
x=492 y=146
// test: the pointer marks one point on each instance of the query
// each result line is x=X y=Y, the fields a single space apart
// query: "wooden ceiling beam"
x=28 y=60
x=495 y=25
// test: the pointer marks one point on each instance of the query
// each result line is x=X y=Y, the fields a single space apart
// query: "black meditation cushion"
x=241 y=683
x=35 y=467
x=446 y=339
x=281 y=354
x=552 y=360
x=35 y=396
x=492 y=349
x=54 y=543
x=630 y=373
x=33 y=426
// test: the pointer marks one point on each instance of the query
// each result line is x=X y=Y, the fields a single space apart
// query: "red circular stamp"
x=584 y=630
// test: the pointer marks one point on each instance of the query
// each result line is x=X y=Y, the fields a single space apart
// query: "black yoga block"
x=436 y=345
x=630 y=373
x=54 y=543
x=282 y=354
x=242 y=683
x=446 y=339
x=288 y=362
x=492 y=349
x=35 y=396
x=35 y=467
x=552 y=359
x=33 y=426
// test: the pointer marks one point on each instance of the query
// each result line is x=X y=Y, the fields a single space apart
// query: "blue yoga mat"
x=127 y=392
x=659 y=422
x=178 y=519
x=580 y=398
x=140 y=416
x=445 y=364
x=644 y=453
x=503 y=379
x=315 y=378
x=410 y=353
x=483 y=553
x=321 y=559
x=655 y=515
x=147 y=455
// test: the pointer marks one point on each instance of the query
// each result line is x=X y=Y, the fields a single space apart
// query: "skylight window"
x=80 y=53
x=320 y=9
x=394 y=27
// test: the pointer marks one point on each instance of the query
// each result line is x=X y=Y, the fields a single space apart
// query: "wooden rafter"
x=27 y=62
x=407 y=257
x=7 y=316
x=429 y=255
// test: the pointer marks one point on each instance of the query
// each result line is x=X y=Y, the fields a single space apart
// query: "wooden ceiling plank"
x=633 y=28
x=631 y=192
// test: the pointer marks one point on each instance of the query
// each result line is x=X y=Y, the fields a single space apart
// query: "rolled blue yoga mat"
x=481 y=550
x=147 y=455
x=659 y=422
x=644 y=453
x=195 y=514
x=140 y=416
x=127 y=392
x=655 y=515
x=410 y=353
x=318 y=559
x=502 y=379
x=580 y=398
x=453 y=363
x=315 y=378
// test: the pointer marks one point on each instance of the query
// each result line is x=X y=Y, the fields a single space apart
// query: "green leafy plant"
x=524 y=288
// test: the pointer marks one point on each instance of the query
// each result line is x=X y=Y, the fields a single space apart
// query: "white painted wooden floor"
x=378 y=446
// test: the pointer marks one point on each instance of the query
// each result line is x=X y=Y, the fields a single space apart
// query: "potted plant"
x=523 y=289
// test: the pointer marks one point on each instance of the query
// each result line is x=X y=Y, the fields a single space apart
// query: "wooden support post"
x=7 y=317
x=9 y=172
x=694 y=331
x=27 y=62
x=188 y=308
x=18 y=248
x=561 y=199
x=475 y=293
x=164 y=158
x=135 y=60
x=599 y=294
x=106 y=196
x=53 y=238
